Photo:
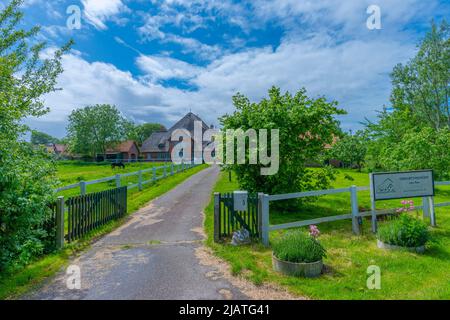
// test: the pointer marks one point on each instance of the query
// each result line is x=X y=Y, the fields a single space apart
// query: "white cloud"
x=354 y=73
x=325 y=47
x=97 y=12
x=162 y=68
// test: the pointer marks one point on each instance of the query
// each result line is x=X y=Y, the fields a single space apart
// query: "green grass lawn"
x=71 y=172
x=13 y=285
x=404 y=275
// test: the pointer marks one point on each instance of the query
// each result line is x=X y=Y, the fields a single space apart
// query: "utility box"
x=240 y=200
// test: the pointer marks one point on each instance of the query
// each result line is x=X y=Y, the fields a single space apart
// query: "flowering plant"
x=314 y=232
x=408 y=205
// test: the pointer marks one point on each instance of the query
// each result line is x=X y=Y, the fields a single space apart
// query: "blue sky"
x=156 y=60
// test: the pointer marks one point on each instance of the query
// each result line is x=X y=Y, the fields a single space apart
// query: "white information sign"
x=397 y=185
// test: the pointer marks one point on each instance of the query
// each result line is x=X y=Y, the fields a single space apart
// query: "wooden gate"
x=227 y=219
x=88 y=212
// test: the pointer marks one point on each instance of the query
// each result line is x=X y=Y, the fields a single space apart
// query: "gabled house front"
x=158 y=147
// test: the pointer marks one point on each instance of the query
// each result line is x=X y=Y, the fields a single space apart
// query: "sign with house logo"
x=397 y=185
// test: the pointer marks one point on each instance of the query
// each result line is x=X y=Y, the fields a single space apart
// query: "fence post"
x=263 y=206
x=165 y=173
x=140 y=180
x=82 y=188
x=117 y=180
x=432 y=211
x=355 y=209
x=373 y=207
x=171 y=169
x=154 y=174
x=216 y=217
x=60 y=223
x=426 y=207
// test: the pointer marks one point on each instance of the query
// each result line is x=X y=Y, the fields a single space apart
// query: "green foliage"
x=421 y=87
x=424 y=149
x=140 y=133
x=305 y=126
x=25 y=77
x=348 y=255
x=350 y=149
x=26 y=189
x=406 y=231
x=41 y=138
x=26 y=185
x=296 y=246
x=94 y=129
x=416 y=134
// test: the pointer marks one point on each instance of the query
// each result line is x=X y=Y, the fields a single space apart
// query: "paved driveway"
x=152 y=256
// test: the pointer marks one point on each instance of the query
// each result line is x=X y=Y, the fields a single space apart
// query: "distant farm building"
x=127 y=151
x=60 y=151
x=158 y=147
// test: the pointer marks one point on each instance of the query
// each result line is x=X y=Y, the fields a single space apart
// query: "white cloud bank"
x=353 y=73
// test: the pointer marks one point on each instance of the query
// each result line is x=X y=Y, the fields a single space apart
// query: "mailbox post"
x=240 y=200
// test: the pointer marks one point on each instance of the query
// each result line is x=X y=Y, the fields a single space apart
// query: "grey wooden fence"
x=167 y=170
x=91 y=211
x=224 y=217
x=264 y=200
x=74 y=217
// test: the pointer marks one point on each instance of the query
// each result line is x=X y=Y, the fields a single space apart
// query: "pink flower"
x=314 y=231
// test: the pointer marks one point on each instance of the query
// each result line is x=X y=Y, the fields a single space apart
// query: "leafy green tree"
x=305 y=126
x=350 y=149
x=420 y=109
x=94 y=129
x=140 y=133
x=42 y=138
x=421 y=87
x=26 y=175
x=424 y=149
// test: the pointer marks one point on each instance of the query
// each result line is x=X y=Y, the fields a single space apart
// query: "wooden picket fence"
x=227 y=219
x=88 y=212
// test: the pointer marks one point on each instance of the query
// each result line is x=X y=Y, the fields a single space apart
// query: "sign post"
x=400 y=185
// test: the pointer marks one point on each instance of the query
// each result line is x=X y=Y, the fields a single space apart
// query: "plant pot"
x=388 y=246
x=303 y=269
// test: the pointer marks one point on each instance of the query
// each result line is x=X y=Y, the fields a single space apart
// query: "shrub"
x=406 y=231
x=305 y=125
x=26 y=188
x=298 y=247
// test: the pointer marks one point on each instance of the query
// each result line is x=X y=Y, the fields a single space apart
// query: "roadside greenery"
x=405 y=231
x=296 y=246
x=348 y=256
x=305 y=125
x=13 y=284
x=25 y=173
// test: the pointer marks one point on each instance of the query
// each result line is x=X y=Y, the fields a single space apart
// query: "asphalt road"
x=152 y=256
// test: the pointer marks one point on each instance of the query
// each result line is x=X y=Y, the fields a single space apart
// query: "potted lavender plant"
x=298 y=254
